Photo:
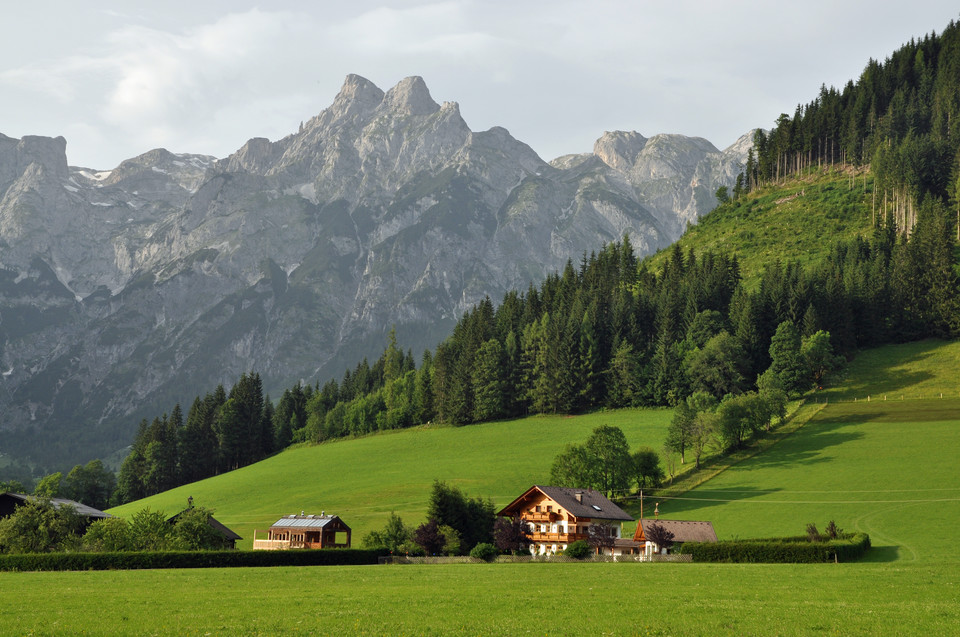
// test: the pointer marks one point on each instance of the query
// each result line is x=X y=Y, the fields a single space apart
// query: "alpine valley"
x=125 y=291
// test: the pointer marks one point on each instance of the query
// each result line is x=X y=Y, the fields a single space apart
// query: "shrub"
x=797 y=550
x=184 y=559
x=578 y=550
x=484 y=551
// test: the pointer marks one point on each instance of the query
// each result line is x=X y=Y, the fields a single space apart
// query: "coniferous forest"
x=609 y=331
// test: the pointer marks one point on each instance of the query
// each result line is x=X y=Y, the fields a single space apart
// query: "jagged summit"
x=410 y=97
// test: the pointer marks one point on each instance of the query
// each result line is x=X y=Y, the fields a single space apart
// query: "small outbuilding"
x=305 y=532
x=10 y=502
x=682 y=530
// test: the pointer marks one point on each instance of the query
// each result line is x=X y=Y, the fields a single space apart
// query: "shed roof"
x=305 y=521
x=591 y=504
x=213 y=522
x=82 y=509
x=683 y=530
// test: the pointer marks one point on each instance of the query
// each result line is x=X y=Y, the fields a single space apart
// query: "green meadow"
x=362 y=480
x=490 y=599
x=887 y=468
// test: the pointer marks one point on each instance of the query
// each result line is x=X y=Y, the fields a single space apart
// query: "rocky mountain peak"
x=410 y=97
x=619 y=149
x=357 y=96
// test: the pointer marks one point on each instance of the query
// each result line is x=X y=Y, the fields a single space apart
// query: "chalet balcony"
x=545 y=516
x=564 y=538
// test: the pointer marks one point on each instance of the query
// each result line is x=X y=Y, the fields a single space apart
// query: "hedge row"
x=185 y=559
x=848 y=548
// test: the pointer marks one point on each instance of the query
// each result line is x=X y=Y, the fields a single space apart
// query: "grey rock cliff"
x=125 y=291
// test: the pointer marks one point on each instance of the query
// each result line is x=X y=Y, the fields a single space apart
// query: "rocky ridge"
x=125 y=291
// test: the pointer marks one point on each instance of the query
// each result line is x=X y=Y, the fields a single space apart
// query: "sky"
x=118 y=78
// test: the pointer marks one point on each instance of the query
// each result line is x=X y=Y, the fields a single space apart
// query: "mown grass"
x=489 y=599
x=364 y=479
x=798 y=221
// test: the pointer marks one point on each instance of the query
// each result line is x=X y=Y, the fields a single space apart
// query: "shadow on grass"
x=807 y=447
x=881 y=554
x=696 y=500
x=882 y=371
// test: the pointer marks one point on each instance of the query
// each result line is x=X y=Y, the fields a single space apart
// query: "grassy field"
x=889 y=469
x=364 y=479
x=495 y=599
x=921 y=370
x=799 y=220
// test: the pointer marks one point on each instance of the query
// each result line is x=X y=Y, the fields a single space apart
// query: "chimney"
x=579 y=497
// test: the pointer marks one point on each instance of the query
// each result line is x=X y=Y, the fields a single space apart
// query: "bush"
x=578 y=550
x=484 y=551
x=184 y=559
x=847 y=548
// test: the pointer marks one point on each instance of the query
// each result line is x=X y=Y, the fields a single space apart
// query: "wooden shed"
x=683 y=531
x=305 y=532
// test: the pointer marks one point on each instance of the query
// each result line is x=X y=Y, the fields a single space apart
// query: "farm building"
x=682 y=530
x=305 y=532
x=557 y=516
x=10 y=502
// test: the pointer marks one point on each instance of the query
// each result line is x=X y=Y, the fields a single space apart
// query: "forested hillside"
x=609 y=331
x=902 y=117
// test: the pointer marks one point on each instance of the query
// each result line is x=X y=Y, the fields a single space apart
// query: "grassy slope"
x=888 y=468
x=364 y=479
x=813 y=213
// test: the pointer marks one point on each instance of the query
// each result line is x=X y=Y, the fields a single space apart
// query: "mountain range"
x=125 y=291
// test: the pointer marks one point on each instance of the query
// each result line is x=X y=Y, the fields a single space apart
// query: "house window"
x=538 y=508
x=549 y=508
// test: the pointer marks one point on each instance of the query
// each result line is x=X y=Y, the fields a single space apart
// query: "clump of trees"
x=604 y=463
x=455 y=525
x=39 y=526
x=223 y=431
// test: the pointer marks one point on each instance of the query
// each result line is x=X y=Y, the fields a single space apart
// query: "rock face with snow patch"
x=125 y=291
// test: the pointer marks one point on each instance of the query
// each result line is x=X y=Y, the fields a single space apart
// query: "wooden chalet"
x=10 y=502
x=683 y=531
x=230 y=538
x=558 y=516
x=305 y=532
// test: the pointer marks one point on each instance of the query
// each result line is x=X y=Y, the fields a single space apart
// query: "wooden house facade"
x=554 y=517
x=304 y=532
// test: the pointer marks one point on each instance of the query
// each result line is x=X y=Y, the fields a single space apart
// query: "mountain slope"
x=798 y=220
x=125 y=291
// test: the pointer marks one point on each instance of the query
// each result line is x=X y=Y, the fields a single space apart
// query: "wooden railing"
x=271 y=545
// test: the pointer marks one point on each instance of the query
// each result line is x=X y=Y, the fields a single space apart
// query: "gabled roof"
x=683 y=530
x=589 y=504
x=82 y=509
x=306 y=522
x=214 y=523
